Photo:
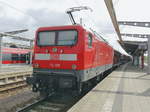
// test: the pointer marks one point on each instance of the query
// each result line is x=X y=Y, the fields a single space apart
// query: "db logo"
x=54 y=56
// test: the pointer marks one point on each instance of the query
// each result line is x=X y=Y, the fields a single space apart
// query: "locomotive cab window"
x=57 y=38
x=90 y=40
x=67 y=37
x=46 y=38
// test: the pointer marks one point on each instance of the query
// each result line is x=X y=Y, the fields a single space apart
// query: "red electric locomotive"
x=15 y=55
x=67 y=57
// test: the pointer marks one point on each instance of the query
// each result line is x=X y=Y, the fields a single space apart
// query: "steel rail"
x=30 y=106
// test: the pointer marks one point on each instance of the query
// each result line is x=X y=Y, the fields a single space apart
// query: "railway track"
x=30 y=106
x=54 y=103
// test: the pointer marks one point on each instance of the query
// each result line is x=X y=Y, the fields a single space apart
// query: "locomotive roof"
x=60 y=27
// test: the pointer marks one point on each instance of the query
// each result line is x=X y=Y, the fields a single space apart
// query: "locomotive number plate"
x=55 y=56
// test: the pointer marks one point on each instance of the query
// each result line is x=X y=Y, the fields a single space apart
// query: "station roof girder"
x=136 y=35
x=135 y=23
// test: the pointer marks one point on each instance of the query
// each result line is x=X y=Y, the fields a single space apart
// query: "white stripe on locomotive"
x=63 y=57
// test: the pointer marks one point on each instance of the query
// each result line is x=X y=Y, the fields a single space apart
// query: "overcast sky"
x=31 y=14
x=19 y=14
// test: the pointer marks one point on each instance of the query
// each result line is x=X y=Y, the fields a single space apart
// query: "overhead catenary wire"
x=18 y=10
x=9 y=5
x=91 y=19
x=87 y=14
x=120 y=49
x=100 y=34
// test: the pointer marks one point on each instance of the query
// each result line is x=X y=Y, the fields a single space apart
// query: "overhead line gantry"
x=135 y=23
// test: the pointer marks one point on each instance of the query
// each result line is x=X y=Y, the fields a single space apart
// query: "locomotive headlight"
x=54 y=49
x=46 y=51
x=36 y=65
x=74 y=66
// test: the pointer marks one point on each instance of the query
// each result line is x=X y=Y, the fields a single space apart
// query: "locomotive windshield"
x=56 y=38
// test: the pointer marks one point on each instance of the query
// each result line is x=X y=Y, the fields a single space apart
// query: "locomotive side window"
x=90 y=40
x=55 y=38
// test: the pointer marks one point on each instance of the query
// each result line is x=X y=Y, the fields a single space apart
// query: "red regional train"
x=68 y=57
x=15 y=55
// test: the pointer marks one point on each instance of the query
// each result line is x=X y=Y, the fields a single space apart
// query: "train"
x=68 y=58
x=15 y=55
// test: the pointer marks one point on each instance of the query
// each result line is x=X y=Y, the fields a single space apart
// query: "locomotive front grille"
x=61 y=79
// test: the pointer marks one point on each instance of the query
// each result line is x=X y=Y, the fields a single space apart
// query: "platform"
x=14 y=68
x=127 y=89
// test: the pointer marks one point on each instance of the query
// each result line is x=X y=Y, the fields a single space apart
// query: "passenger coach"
x=15 y=55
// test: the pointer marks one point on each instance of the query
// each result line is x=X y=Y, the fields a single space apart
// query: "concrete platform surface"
x=127 y=89
x=14 y=68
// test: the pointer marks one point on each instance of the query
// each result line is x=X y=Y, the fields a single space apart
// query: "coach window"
x=15 y=57
x=90 y=40
x=6 y=57
x=23 y=57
